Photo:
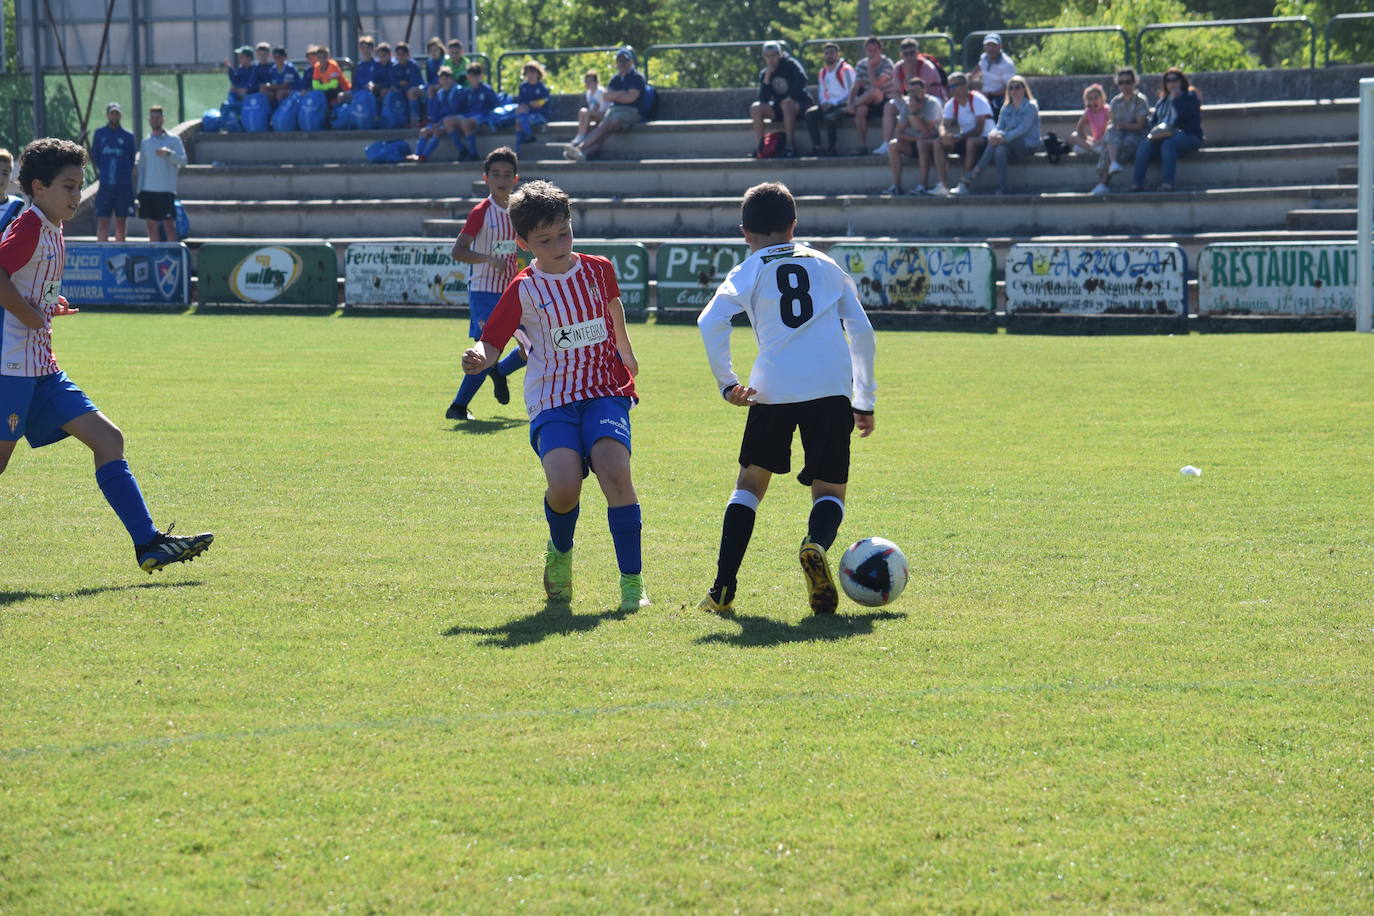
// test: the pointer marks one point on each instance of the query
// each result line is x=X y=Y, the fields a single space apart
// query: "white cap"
x=113 y=106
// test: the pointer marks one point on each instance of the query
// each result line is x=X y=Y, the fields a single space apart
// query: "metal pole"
x=136 y=68
x=40 y=106
x=1364 y=287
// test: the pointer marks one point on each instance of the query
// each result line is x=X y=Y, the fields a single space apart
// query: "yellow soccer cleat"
x=557 y=573
x=820 y=585
x=632 y=593
x=719 y=600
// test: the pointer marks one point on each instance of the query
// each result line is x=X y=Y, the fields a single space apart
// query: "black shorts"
x=157 y=205
x=826 y=424
x=776 y=105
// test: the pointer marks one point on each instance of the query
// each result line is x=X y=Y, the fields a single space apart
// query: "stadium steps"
x=1226 y=125
x=1220 y=167
x=1339 y=219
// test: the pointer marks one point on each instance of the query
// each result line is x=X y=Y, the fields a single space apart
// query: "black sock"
x=735 y=533
x=826 y=515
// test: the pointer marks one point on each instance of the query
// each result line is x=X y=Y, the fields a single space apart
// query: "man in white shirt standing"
x=994 y=69
x=160 y=156
x=807 y=376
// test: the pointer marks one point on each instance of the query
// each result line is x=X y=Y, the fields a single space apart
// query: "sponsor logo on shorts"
x=577 y=336
x=619 y=425
x=13 y=421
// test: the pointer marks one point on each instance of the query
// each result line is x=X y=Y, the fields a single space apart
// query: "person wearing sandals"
x=1175 y=130
x=1017 y=136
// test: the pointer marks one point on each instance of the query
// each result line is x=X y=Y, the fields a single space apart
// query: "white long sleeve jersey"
x=801 y=305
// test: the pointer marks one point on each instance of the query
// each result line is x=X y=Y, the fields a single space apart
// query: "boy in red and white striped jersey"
x=579 y=385
x=37 y=400
x=487 y=243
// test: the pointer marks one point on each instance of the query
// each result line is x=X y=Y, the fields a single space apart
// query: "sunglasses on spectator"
x=1016 y=86
x=1125 y=82
x=908 y=52
x=1172 y=79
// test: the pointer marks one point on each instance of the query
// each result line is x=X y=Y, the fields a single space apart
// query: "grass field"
x=1108 y=688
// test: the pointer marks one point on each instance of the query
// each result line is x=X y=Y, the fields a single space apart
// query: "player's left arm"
x=615 y=310
x=862 y=347
x=177 y=152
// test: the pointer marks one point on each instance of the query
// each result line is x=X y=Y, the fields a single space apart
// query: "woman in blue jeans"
x=1017 y=136
x=1175 y=129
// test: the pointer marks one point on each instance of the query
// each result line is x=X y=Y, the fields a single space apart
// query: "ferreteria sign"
x=267 y=274
x=1277 y=278
x=924 y=278
x=404 y=273
x=1097 y=279
x=688 y=274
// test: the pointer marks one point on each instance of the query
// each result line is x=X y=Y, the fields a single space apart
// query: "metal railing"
x=542 y=54
x=971 y=52
x=757 y=45
x=1226 y=23
x=859 y=39
x=1334 y=21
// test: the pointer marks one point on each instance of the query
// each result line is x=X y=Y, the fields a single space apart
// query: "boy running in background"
x=580 y=383
x=11 y=205
x=37 y=399
x=804 y=376
x=487 y=242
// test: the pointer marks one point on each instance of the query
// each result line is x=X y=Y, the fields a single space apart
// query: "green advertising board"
x=1277 y=278
x=631 y=271
x=921 y=278
x=267 y=274
x=688 y=273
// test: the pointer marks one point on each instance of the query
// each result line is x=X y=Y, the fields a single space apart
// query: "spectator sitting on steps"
x=782 y=94
x=919 y=134
x=1130 y=115
x=832 y=88
x=1175 y=130
x=872 y=88
x=623 y=94
x=1016 y=137
x=968 y=120
x=595 y=108
x=1090 y=133
x=912 y=64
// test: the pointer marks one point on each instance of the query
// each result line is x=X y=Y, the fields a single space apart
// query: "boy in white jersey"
x=579 y=386
x=804 y=376
x=487 y=242
x=37 y=400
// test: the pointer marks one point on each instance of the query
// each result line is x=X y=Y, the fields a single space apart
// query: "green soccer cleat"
x=557 y=573
x=820 y=585
x=632 y=594
x=719 y=600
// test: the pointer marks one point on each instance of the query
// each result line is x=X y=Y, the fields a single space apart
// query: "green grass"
x=1107 y=687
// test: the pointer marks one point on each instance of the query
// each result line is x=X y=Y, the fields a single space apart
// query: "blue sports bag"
x=395 y=111
x=364 y=109
x=284 y=118
x=255 y=112
x=386 y=151
x=313 y=111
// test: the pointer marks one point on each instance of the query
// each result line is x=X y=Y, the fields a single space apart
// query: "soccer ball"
x=873 y=572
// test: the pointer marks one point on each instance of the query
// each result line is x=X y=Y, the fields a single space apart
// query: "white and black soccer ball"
x=873 y=572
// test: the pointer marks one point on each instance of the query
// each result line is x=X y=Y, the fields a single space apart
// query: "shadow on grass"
x=764 y=631
x=480 y=427
x=16 y=597
x=555 y=619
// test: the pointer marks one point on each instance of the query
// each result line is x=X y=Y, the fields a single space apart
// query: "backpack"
x=312 y=112
x=395 y=110
x=284 y=118
x=364 y=109
x=772 y=145
x=211 y=122
x=254 y=112
x=944 y=77
x=1054 y=147
x=183 y=223
x=647 y=103
x=386 y=151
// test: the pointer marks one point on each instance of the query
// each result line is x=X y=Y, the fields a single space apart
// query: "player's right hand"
x=741 y=396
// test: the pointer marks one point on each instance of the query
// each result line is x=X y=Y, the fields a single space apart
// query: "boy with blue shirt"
x=242 y=77
x=365 y=70
x=262 y=67
x=479 y=100
x=382 y=76
x=11 y=205
x=113 y=150
x=531 y=103
x=406 y=76
x=37 y=400
x=282 y=77
x=443 y=116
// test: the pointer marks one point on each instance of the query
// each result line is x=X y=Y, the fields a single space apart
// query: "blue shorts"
x=36 y=407
x=480 y=307
x=579 y=425
x=115 y=200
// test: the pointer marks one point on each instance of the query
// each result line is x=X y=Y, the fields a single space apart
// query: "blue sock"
x=513 y=362
x=414 y=109
x=424 y=146
x=625 y=525
x=561 y=526
x=126 y=499
x=469 y=387
x=472 y=146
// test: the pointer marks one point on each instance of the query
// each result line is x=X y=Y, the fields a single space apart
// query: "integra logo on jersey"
x=265 y=274
x=577 y=336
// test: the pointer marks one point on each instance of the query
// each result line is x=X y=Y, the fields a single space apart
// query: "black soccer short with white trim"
x=825 y=424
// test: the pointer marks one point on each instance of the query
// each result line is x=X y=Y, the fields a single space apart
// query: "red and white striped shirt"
x=32 y=253
x=488 y=225
x=572 y=351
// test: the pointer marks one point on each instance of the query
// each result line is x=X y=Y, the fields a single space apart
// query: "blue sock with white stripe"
x=625 y=523
x=126 y=499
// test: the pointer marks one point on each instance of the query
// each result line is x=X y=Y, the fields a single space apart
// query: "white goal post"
x=1364 y=212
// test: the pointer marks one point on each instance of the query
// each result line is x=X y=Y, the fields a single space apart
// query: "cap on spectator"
x=626 y=52
x=535 y=66
x=244 y=49
x=773 y=46
x=993 y=39
x=114 y=106
x=278 y=52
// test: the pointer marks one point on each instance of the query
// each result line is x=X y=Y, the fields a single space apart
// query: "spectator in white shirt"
x=832 y=87
x=160 y=157
x=596 y=106
x=872 y=88
x=994 y=69
x=968 y=120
